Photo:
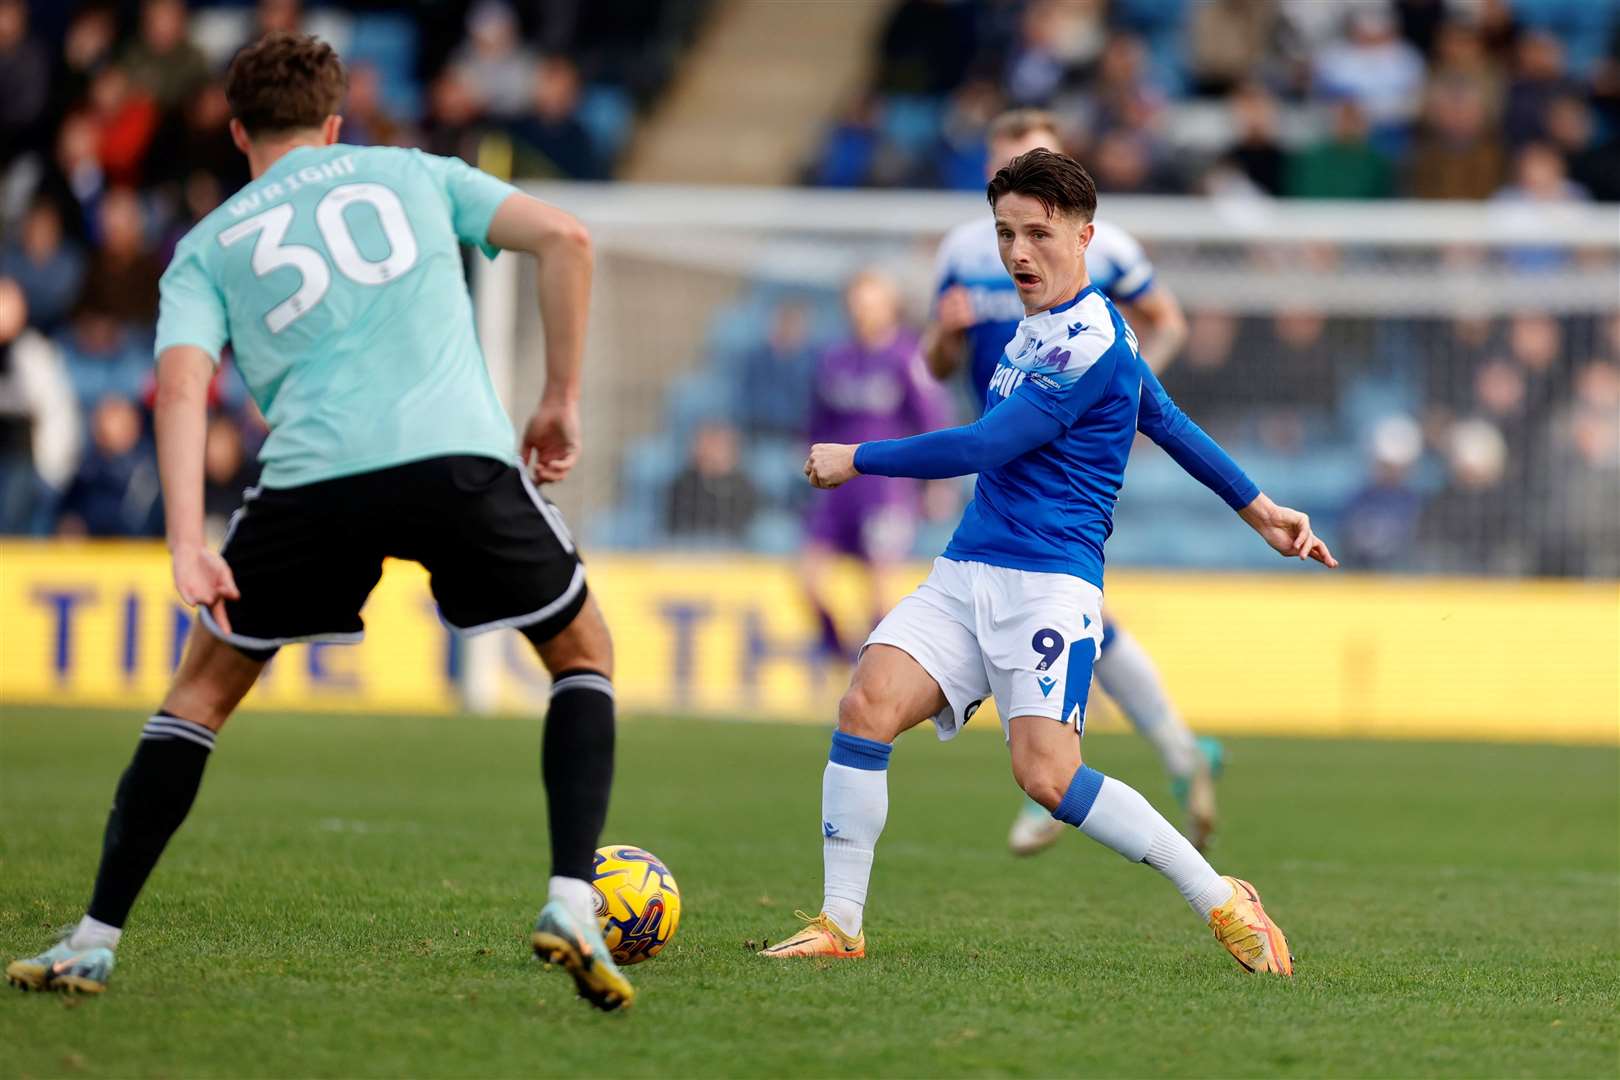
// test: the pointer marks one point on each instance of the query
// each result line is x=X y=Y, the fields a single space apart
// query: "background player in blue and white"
x=1013 y=607
x=336 y=277
x=977 y=311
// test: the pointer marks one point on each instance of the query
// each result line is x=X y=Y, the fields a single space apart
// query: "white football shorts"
x=1028 y=639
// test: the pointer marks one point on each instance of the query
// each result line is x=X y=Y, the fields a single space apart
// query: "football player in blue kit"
x=977 y=312
x=1013 y=608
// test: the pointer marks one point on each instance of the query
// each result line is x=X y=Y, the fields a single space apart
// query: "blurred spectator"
x=1539 y=176
x=103 y=357
x=557 y=144
x=962 y=135
x=162 y=60
x=78 y=157
x=126 y=118
x=1583 y=537
x=851 y=147
x=1120 y=92
x=1302 y=356
x=1539 y=185
x=1462 y=528
x=1458 y=155
x=1461 y=56
x=871 y=386
x=1376 y=69
x=1501 y=396
x=1130 y=162
x=774 y=384
x=499 y=68
x=196 y=136
x=123 y=277
x=1257 y=153
x=273 y=15
x=39 y=422
x=1378 y=529
x=1592 y=164
x=927 y=47
x=1201 y=380
x=1229 y=42
x=452 y=127
x=227 y=472
x=711 y=498
x=1055 y=38
x=366 y=122
x=1536 y=347
x=48 y=268
x=201 y=195
x=25 y=68
x=87 y=48
x=115 y=492
x=1539 y=77
x=1344 y=166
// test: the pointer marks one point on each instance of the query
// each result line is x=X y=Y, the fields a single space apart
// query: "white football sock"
x=575 y=895
x=94 y=934
x=854 y=806
x=1126 y=674
x=1120 y=818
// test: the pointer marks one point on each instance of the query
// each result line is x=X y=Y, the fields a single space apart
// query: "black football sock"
x=576 y=761
x=154 y=795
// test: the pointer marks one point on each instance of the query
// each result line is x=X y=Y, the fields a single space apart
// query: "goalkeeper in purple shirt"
x=873 y=385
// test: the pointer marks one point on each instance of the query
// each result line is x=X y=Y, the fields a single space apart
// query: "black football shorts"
x=306 y=558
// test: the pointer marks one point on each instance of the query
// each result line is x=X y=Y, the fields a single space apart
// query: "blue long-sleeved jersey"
x=1062 y=409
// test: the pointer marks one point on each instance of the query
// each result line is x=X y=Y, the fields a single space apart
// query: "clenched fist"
x=830 y=464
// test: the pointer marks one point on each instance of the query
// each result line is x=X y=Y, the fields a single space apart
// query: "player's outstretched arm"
x=1013 y=428
x=181 y=415
x=563 y=247
x=1288 y=531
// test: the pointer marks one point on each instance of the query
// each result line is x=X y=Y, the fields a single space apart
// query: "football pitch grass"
x=351 y=897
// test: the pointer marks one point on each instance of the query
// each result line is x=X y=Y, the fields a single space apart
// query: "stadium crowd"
x=1354 y=99
x=114 y=141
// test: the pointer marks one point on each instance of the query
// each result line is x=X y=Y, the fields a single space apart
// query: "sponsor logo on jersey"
x=1006 y=379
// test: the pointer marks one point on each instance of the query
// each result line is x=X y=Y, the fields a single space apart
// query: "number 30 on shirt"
x=315 y=277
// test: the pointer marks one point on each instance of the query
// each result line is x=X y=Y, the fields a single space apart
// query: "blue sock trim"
x=859 y=753
x=1082 y=793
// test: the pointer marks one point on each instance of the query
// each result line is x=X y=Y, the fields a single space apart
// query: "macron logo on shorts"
x=1046 y=682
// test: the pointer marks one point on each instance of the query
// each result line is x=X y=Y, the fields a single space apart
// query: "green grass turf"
x=351 y=897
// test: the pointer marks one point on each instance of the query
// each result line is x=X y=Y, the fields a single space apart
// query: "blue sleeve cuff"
x=863 y=459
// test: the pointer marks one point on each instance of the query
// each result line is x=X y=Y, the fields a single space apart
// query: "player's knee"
x=201 y=702
x=1042 y=781
x=586 y=643
x=860 y=713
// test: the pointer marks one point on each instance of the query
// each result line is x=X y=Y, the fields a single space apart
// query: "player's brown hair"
x=1057 y=181
x=1016 y=123
x=285 y=82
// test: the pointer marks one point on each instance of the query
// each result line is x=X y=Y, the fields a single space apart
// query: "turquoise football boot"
x=561 y=938
x=64 y=968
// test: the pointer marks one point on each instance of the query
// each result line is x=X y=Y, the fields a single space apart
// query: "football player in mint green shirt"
x=335 y=277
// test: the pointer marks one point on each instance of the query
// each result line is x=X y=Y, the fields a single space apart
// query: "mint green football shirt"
x=337 y=279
